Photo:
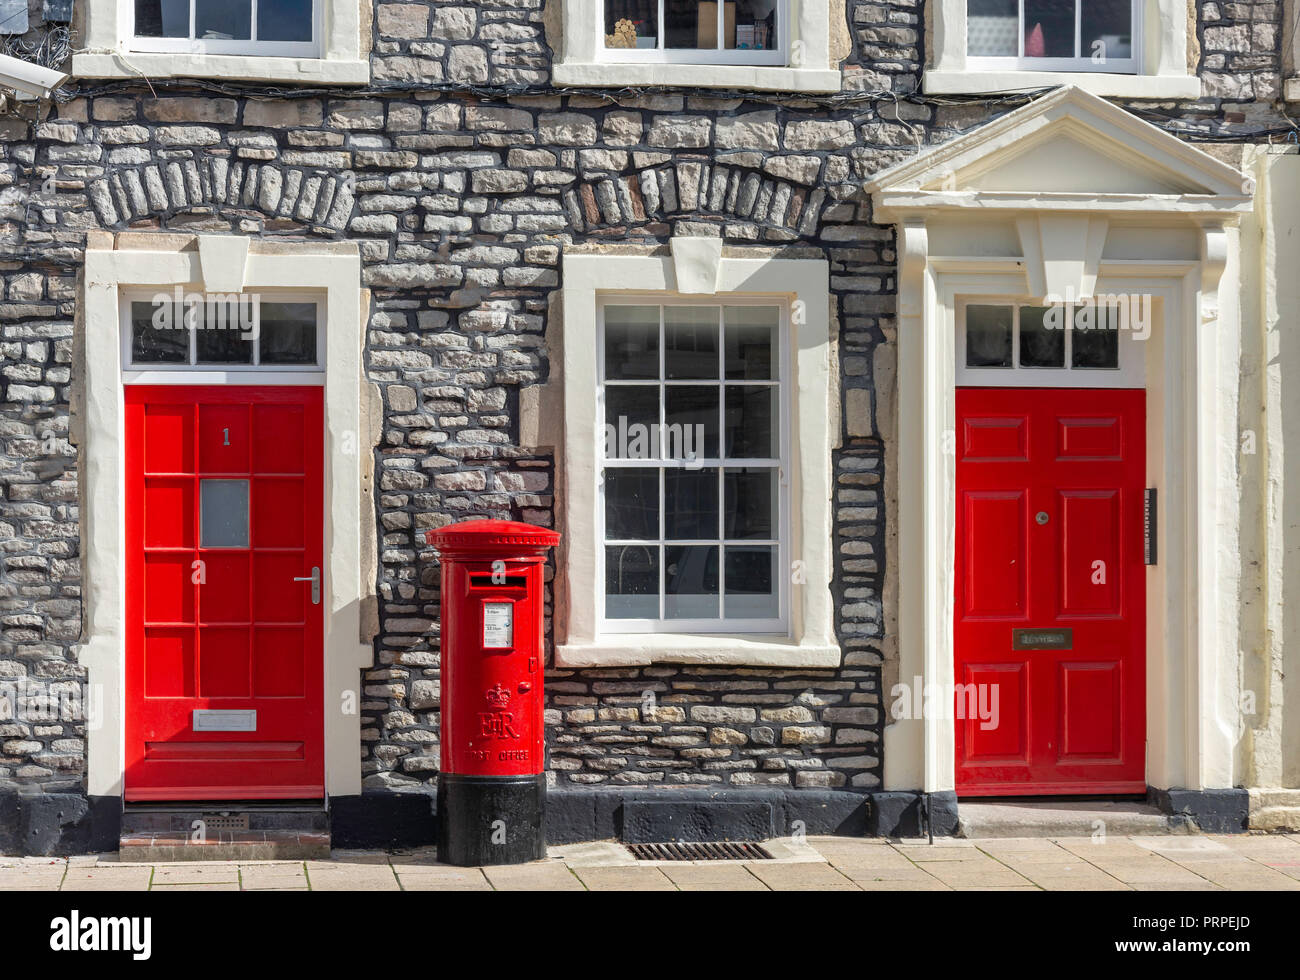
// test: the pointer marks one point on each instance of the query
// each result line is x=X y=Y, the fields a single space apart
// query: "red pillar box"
x=492 y=786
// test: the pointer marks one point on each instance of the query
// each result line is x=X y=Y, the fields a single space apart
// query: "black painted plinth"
x=485 y=820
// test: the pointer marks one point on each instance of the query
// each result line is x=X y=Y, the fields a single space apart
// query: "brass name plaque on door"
x=1062 y=639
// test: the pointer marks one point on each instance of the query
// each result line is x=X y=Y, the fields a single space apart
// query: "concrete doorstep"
x=1062 y=819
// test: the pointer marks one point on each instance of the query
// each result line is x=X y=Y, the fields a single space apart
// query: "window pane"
x=755 y=26
x=1041 y=345
x=751 y=503
x=992 y=27
x=223 y=20
x=223 y=333
x=1106 y=30
x=632 y=422
x=162 y=18
x=223 y=513
x=288 y=333
x=158 y=334
x=631 y=342
x=693 y=23
x=988 y=336
x=284 y=20
x=690 y=504
x=1094 y=340
x=691 y=582
x=631 y=23
x=751 y=342
x=632 y=581
x=752 y=422
x=696 y=408
x=631 y=504
x=751 y=583
x=1049 y=28
x=691 y=342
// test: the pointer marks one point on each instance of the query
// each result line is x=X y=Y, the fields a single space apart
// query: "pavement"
x=1110 y=863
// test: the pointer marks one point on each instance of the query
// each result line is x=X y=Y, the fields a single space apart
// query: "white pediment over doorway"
x=1070 y=151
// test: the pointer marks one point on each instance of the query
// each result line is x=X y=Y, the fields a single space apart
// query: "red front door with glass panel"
x=224 y=532
x=1050 y=612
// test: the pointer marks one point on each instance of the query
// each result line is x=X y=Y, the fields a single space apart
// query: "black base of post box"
x=490 y=819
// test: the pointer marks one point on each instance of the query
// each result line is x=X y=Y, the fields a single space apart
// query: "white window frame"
x=1131 y=372
x=802 y=64
x=778 y=625
x=697 y=270
x=339 y=54
x=196 y=373
x=701 y=56
x=1084 y=63
x=1161 y=70
x=251 y=46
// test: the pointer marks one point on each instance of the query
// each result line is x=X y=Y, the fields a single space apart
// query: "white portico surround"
x=222 y=264
x=1071 y=196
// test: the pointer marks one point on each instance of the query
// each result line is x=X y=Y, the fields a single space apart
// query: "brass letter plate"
x=1058 y=639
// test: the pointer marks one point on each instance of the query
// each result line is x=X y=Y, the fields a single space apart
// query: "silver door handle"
x=314 y=579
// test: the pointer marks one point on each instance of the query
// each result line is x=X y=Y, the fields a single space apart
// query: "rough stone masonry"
x=463 y=174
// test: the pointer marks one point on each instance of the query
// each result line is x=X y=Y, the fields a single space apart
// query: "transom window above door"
x=1054 y=35
x=260 y=27
x=1096 y=343
x=695 y=443
x=742 y=32
x=175 y=330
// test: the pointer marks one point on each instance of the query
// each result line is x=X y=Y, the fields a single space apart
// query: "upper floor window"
x=763 y=45
x=310 y=42
x=1054 y=35
x=264 y=27
x=737 y=32
x=1111 y=48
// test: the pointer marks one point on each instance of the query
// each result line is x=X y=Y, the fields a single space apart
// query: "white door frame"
x=224 y=264
x=1054 y=243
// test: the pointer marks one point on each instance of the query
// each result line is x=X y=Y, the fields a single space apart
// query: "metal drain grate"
x=700 y=851
x=225 y=821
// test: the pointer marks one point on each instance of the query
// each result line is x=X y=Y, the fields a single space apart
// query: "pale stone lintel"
x=636 y=650
x=758 y=79
x=136 y=65
x=1098 y=83
x=695 y=264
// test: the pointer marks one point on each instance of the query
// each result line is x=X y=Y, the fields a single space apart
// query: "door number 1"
x=225 y=437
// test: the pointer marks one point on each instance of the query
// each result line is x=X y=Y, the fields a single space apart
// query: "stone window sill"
x=1097 y=83
x=313 y=71
x=750 y=78
x=644 y=649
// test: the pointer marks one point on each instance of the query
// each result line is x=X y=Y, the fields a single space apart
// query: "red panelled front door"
x=1050 y=591
x=224 y=516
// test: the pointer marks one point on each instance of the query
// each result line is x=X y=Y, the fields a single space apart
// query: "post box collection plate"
x=498 y=625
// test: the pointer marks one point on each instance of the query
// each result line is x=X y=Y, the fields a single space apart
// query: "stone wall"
x=462 y=202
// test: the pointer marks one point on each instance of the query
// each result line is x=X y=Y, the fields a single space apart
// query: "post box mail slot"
x=1042 y=639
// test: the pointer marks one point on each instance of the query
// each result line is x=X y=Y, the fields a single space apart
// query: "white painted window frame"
x=804 y=66
x=197 y=373
x=701 y=56
x=779 y=625
x=697 y=269
x=143 y=261
x=1131 y=372
x=1161 y=73
x=339 y=54
x=251 y=46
